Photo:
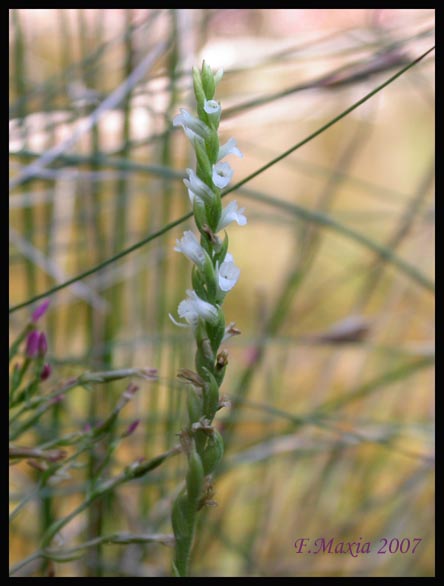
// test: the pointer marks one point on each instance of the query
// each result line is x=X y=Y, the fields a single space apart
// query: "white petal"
x=192 y=126
x=187 y=310
x=231 y=213
x=177 y=323
x=194 y=307
x=203 y=309
x=190 y=246
x=228 y=275
x=212 y=107
x=229 y=148
x=198 y=187
x=222 y=174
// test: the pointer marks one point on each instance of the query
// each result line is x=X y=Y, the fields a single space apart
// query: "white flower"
x=193 y=309
x=229 y=148
x=227 y=273
x=191 y=248
x=197 y=187
x=222 y=174
x=230 y=214
x=193 y=127
x=212 y=107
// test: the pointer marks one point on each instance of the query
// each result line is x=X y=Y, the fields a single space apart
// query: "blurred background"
x=330 y=428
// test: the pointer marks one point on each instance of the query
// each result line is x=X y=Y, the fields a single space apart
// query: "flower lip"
x=228 y=273
x=231 y=213
x=229 y=148
x=222 y=174
x=212 y=107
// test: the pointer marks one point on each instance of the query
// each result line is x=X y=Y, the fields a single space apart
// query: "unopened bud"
x=40 y=310
x=213 y=452
x=46 y=371
x=32 y=344
x=131 y=428
x=43 y=344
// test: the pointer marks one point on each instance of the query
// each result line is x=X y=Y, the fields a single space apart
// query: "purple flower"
x=40 y=310
x=32 y=344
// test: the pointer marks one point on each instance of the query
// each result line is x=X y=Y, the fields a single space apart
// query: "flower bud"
x=198 y=88
x=32 y=344
x=208 y=82
x=46 y=371
x=211 y=397
x=131 y=428
x=194 y=406
x=213 y=452
x=42 y=344
x=40 y=310
x=203 y=162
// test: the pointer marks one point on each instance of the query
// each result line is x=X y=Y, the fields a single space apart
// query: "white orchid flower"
x=193 y=127
x=229 y=148
x=190 y=246
x=193 y=309
x=196 y=186
x=222 y=174
x=227 y=273
x=231 y=213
